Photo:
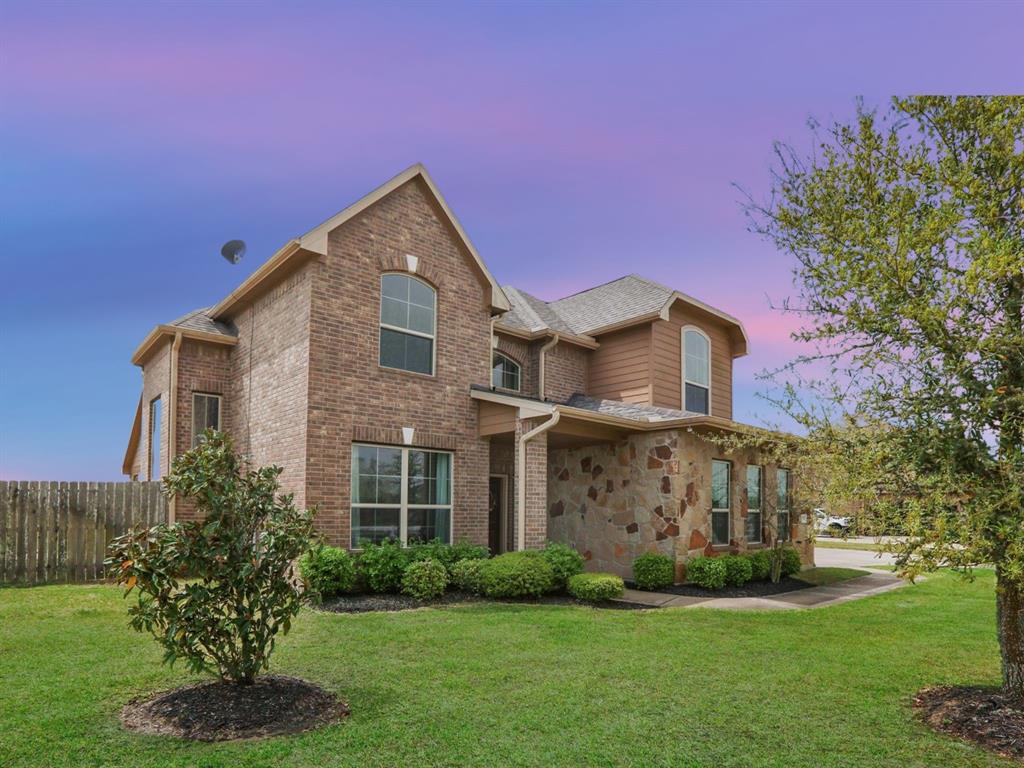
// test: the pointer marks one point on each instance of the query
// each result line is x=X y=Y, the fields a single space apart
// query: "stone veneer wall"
x=651 y=492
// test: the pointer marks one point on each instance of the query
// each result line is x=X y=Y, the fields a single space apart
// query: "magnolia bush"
x=217 y=593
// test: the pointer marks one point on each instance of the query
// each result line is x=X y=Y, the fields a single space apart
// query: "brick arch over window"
x=397 y=262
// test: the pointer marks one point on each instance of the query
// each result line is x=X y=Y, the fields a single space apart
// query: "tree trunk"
x=1010 y=617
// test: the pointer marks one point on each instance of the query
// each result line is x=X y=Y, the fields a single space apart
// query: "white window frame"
x=720 y=510
x=780 y=510
x=760 y=508
x=403 y=506
x=519 y=372
x=220 y=410
x=682 y=358
x=381 y=325
x=154 y=473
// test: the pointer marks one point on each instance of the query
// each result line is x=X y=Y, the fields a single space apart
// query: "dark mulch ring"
x=986 y=716
x=274 y=705
x=375 y=602
x=750 y=589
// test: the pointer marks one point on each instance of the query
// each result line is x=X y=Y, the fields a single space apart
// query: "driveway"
x=825 y=557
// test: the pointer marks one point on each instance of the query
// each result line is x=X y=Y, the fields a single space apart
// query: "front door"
x=496 y=513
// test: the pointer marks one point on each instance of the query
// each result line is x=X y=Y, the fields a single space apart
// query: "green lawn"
x=821 y=577
x=508 y=685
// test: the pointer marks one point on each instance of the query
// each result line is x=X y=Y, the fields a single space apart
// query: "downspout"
x=172 y=417
x=540 y=365
x=521 y=476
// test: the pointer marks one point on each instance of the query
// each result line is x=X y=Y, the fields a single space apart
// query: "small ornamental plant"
x=653 y=571
x=707 y=572
x=738 y=570
x=217 y=593
x=467 y=575
x=517 y=574
x=596 y=587
x=425 y=579
x=328 y=571
x=565 y=561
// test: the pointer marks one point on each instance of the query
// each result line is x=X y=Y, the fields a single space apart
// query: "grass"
x=510 y=685
x=821 y=577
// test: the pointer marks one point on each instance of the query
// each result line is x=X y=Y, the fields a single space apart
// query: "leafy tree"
x=217 y=593
x=907 y=229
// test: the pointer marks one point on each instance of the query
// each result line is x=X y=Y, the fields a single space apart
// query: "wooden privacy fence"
x=59 y=531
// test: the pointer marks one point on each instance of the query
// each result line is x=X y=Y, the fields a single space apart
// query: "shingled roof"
x=199 y=320
x=603 y=307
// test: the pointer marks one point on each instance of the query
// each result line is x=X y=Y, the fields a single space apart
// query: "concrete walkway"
x=814 y=597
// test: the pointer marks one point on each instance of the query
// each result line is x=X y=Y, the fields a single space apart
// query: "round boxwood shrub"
x=791 y=564
x=425 y=579
x=707 y=572
x=760 y=565
x=653 y=571
x=517 y=574
x=446 y=554
x=383 y=565
x=738 y=570
x=328 y=571
x=565 y=561
x=467 y=575
x=595 y=586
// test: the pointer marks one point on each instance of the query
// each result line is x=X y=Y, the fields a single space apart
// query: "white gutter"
x=540 y=375
x=521 y=476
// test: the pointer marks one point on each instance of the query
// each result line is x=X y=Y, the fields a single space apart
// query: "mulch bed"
x=750 y=589
x=274 y=705
x=374 y=602
x=985 y=716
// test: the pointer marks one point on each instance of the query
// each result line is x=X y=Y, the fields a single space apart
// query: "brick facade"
x=349 y=391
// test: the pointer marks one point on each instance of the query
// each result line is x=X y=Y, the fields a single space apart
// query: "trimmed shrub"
x=707 y=572
x=565 y=561
x=760 y=565
x=383 y=565
x=738 y=570
x=791 y=564
x=447 y=555
x=328 y=571
x=595 y=586
x=653 y=571
x=467 y=575
x=425 y=579
x=517 y=574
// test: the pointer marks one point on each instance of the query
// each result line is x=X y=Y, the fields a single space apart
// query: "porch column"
x=531 y=530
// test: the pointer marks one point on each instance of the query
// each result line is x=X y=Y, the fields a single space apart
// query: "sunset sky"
x=576 y=143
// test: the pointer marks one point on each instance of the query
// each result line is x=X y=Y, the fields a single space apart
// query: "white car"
x=833 y=525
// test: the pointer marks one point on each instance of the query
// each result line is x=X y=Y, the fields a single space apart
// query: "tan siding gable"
x=667 y=360
x=620 y=368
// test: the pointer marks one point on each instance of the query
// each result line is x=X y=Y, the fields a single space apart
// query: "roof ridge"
x=602 y=285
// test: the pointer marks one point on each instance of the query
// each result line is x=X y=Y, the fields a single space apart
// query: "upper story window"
x=505 y=372
x=408 y=323
x=205 y=415
x=696 y=371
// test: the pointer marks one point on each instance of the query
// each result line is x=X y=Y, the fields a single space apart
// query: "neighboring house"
x=406 y=394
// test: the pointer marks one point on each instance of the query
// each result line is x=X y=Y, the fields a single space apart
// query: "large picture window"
x=403 y=494
x=696 y=371
x=407 y=323
x=505 y=373
x=754 y=485
x=721 y=502
x=205 y=415
x=782 y=510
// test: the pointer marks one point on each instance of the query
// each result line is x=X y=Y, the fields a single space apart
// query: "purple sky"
x=575 y=142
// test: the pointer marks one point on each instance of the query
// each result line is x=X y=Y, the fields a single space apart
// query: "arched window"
x=696 y=371
x=408 y=323
x=505 y=372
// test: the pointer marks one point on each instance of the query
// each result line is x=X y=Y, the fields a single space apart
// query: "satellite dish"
x=233 y=250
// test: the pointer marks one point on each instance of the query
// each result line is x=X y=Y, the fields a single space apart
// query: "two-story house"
x=407 y=395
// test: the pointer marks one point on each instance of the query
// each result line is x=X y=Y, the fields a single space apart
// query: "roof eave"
x=742 y=345
x=291 y=255
x=133 y=441
x=545 y=333
x=154 y=336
